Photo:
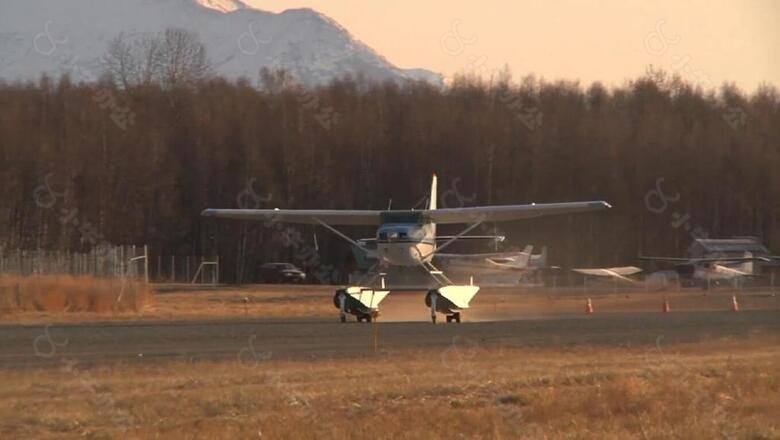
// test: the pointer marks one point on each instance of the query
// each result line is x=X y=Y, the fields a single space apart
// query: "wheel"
x=343 y=319
x=449 y=319
x=368 y=318
x=456 y=316
x=359 y=318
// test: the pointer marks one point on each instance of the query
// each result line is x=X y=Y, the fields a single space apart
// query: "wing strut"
x=339 y=233
x=453 y=239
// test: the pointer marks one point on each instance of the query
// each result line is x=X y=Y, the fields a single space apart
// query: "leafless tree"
x=276 y=80
x=170 y=58
x=120 y=61
x=183 y=58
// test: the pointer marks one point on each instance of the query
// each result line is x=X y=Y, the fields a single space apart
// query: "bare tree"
x=170 y=58
x=150 y=55
x=120 y=61
x=276 y=80
x=183 y=58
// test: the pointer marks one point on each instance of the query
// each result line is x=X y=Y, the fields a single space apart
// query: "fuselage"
x=405 y=244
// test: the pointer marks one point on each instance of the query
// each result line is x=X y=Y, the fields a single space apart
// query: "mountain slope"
x=240 y=40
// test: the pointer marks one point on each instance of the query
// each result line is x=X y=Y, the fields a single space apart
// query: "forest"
x=136 y=163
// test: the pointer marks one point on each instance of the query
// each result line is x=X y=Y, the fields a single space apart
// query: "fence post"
x=146 y=263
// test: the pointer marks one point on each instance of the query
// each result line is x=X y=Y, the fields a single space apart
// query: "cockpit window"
x=399 y=233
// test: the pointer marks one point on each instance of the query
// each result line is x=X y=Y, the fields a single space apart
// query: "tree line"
x=676 y=162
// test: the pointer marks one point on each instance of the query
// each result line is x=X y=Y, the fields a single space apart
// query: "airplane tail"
x=542 y=259
x=432 y=200
x=747 y=266
x=524 y=258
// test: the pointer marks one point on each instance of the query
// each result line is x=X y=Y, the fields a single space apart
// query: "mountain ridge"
x=240 y=40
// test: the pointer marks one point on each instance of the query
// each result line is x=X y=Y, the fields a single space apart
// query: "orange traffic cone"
x=734 y=304
x=666 y=308
x=589 y=307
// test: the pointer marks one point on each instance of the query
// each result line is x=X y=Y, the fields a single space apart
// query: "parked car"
x=277 y=273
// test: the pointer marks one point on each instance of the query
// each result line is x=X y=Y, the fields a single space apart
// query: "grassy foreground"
x=719 y=389
x=49 y=296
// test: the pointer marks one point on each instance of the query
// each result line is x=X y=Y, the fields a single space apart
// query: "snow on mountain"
x=39 y=36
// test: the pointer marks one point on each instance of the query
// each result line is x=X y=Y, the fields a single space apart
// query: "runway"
x=31 y=346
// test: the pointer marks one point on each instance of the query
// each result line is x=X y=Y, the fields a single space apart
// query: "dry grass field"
x=482 y=385
x=725 y=388
x=42 y=297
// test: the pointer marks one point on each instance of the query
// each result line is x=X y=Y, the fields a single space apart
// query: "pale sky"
x=728 y=40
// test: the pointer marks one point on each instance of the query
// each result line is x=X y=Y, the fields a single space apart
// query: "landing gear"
x=361 y=302
x=368 y=317
x=438 y=302
x=430 y=301
x=455 y=317
x=340 y=301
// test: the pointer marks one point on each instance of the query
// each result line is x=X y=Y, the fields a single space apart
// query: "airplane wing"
x=705 y=260
x=443 y=216
x=479 y=256
x=610 y=271
x=499 y=238
x=301 y=216
x=499 y=213
x=613 y=272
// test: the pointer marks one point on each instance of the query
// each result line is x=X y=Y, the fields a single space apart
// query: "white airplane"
x=706 y=271
x=514 y=261
x=407 y=238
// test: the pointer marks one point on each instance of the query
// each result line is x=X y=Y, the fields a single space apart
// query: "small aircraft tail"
x=524 y=258
x=541 y=260
x=747 y=266
x=432 y=200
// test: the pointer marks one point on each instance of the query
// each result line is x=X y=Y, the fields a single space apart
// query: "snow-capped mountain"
x=40 y=36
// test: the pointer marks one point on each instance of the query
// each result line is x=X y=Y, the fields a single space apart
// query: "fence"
x=112 y=261
x=100 y=262
x=184 y=269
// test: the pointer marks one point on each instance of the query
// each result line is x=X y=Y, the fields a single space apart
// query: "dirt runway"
x=30 y=346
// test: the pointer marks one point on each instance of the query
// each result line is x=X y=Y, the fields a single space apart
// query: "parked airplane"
x=515 y=261
x=707 y=271
x=407 y=238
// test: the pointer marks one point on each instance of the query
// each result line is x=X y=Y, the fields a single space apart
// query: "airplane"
x=407 y=238
x=520 y=266
x=709 y=270
x=514 y=261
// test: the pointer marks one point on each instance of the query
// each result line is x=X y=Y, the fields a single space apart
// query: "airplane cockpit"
x=399 y=233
